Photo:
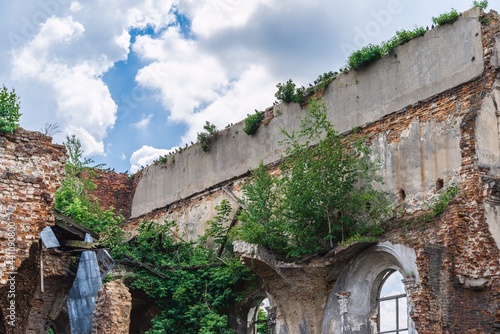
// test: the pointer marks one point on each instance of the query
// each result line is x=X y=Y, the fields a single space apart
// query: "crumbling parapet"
x=31 y=170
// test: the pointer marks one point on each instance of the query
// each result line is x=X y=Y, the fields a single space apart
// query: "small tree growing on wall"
x=9 y=110
x=323 y=196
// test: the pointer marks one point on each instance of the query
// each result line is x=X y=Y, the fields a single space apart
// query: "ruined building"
x=430 y=110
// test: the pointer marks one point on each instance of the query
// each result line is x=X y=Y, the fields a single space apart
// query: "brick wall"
x=112 y=311
x=31 y=169
x=114 y=190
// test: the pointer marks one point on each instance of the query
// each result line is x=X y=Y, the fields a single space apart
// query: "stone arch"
x=352 y=302
x=242 y=315
x=143 y=311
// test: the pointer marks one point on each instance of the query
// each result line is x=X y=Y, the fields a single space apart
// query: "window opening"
x=262 y=318
x=392 y=305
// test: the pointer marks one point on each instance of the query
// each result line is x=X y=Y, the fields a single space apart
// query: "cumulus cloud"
x=143 y=123
x=186 y=78
x=253 y=90
x=84 y=104
x=218 y=63
x=210 y=16
x=145 y=156
x=67 y=50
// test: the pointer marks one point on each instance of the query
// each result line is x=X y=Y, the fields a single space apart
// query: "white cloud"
x=253 y=90
x=186 y=77
x=143 y=123
x=75 y=6
x=145 y=156
x=212 y=15
x=84 y=103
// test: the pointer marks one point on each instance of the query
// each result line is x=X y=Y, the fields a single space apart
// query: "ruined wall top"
x=31 y=170
x=442 y=59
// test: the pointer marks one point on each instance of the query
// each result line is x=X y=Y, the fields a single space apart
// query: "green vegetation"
x=74 y=197
x=261 y=322
x=324 y=80
x=368 y=54
x=205 y=137
x=403 y=37
x=480 y=4
x=192 y=283
x=161 y=159
x=446 y=18
x=288 y=92
x=443 y=199
x=252 y=122
x=323 y=196
x=9 y=110
x=194 y=286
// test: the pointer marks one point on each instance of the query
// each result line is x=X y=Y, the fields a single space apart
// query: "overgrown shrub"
x=205 y=137
x=446 y=18
x=74 y=198
x=324 y=80
x=322 y=197
x=443 y=199
x=360 y=58
x=9 y=110
x=252 y=122
x=286 y=92
x=403 y=37
x=289 y=92
x=191 y=283
x=480 y=4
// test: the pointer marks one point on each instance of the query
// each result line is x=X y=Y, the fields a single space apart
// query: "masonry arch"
x=353 y=302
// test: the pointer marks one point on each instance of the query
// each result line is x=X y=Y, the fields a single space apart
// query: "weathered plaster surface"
x=421 y=69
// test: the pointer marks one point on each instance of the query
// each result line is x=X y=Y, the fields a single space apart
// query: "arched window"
x=392 y=305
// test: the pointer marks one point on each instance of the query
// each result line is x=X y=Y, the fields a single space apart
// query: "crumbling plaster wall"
x=430 y=113
x=411 y=73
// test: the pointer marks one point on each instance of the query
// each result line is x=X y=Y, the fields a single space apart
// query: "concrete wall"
x=431 y=117
x=442 y=59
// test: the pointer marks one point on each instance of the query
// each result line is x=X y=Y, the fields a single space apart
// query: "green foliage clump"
x=323 y=196
x=402 y=37
x=161 y=159
x=75 y=200
x=205 y=137
x=366 y=55
x=361 y=58
x=261 y=325
x=444 y=198
x=252 y=122
x=446 y=18
x=193 y=285
x=9 y=110
x=288 y=92
x=324 y=80
x=480 y=4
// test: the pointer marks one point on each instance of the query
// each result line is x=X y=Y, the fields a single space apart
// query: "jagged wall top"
x=442 y=59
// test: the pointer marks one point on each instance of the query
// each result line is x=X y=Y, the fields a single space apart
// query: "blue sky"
x=135 y=79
